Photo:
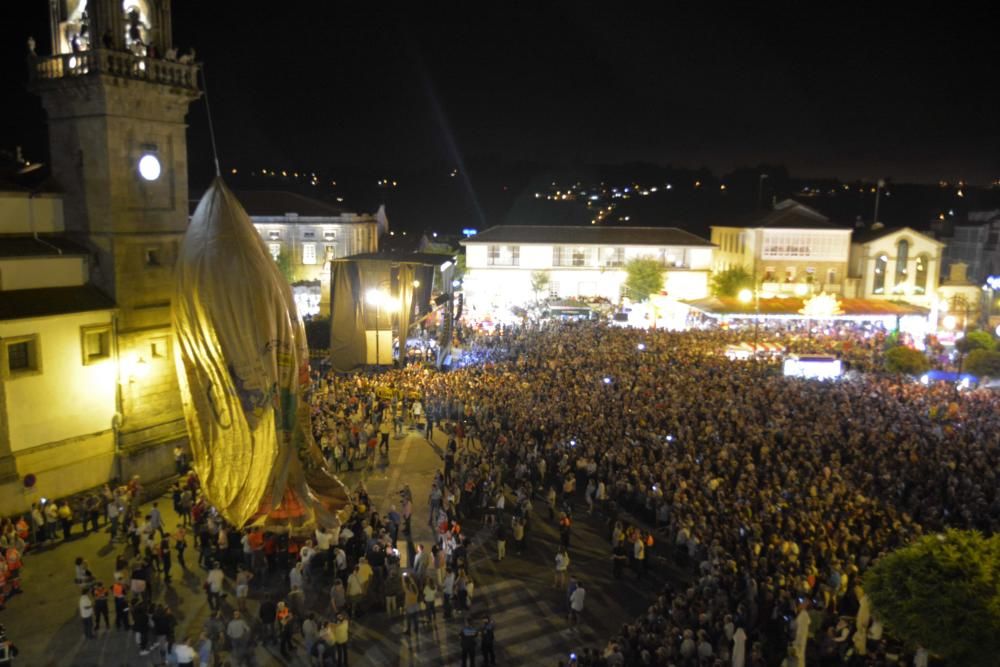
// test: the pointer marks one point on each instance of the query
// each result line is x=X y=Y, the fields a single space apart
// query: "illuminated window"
x=20 y=356
x=612 y=257
x=902 y=257
x=881 y=266
x=308 y=253
x=96 y=343
x=274 y=249
x=503 y=255
x=920 y=279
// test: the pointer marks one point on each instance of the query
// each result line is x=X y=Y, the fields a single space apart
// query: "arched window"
x=902 y=257
x=920 y=279
x=881 y=266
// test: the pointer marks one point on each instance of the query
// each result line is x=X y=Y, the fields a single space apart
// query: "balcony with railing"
x=115 y=63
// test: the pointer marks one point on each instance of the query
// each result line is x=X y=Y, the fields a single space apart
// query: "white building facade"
x=309 y=234
x=896 y=264
x=579 y=262
x=59 y=368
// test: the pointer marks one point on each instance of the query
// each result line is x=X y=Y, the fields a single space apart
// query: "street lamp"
x=760 y=190
x=878 y=191
x=383 y=300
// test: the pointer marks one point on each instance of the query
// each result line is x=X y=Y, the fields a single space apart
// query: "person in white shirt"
x=184 y=653
x=295 y=577
x=576 y=603
x=562 y=565
x=214 y=582
x=86 y=606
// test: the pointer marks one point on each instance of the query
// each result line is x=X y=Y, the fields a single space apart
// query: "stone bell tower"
x=116 y=95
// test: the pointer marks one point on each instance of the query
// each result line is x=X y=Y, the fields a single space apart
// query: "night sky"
x=847 y=92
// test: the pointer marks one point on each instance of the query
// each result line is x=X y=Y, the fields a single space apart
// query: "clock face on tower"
x=149 y=167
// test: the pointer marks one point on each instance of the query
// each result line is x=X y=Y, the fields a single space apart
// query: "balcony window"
x=612 y=257
x=308 y=253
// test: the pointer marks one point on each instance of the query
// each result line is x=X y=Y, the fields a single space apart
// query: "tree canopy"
x=644 y=277
x=729 y=282
x=284 y=262
x=943 y=593
x=975 y=340
x=983 y=363
x=906 y=360
x=540 y=281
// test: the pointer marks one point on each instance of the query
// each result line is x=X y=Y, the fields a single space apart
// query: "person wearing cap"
x=467 y=637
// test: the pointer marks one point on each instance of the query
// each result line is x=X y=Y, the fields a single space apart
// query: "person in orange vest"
x=100 y=596
x=565 y=523
x=23 y=529
x=14 y=565
x=121 y=605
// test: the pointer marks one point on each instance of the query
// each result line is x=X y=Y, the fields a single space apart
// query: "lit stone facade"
x=107 y=108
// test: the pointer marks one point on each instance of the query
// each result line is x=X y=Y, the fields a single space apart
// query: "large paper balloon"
x=243 y=368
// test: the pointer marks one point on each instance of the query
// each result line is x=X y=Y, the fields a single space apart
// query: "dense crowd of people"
x=773 y=495
x=778 y=493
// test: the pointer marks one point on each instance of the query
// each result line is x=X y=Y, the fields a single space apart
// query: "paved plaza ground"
x=530 y=615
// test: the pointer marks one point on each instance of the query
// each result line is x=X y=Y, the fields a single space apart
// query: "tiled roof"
x=792 y=306
x=280 y=202
x=787 y=214
x=869 y=234
x=29 y=246
x=25 y=303
x=429 y=258
x=588 y=235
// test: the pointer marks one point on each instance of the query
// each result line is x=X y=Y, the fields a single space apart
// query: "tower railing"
x=115 y=63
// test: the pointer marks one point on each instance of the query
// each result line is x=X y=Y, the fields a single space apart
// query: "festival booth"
x=812 y=366
x=743 y=351
x=374 y=298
